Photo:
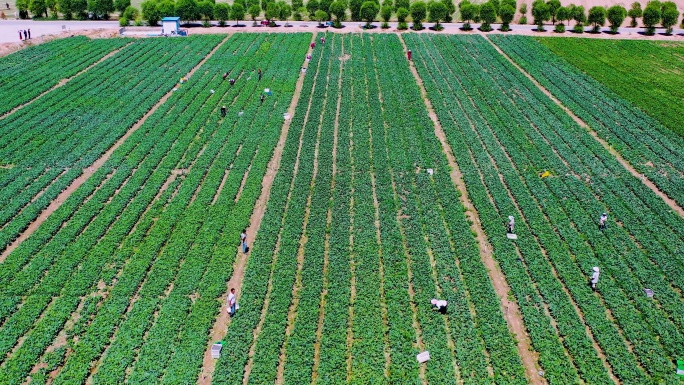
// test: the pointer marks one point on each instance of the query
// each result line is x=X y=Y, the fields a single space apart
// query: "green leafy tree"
x=580 y=17
x=296 y=4
x=450 y=10
x=496 y=4
x=401 y=4
x=651 y=18
x=523 y=9
x=386 y=15
x=339 y=9
x=418 y=13
x=51 y=6
x=131 y=13
x=437 y=12
x=272 y=13
x=488 y=16
x=597 y=17
x=369 y=10
x=562 y=14
x=355 y=9
x=205 y=9
x=101 y=8
x=187 y=10
x=402 y=14
x=634 y=13
x=312 y=7
x=506 y=13
x=554 y=5
x=467 y=14
x=254 y=11
x=65 y=7
x=512 y=3
x=121 y=5
x=541 y=13
x=669 y=16
x=264 y=4
x=123 y=22
x=150 y=12
x=38 y=8
x=237 y=13
x=321 y=16
x=80 y=9
x=222 y=13
x=166 y=8
x=23 y=6
x=285 y=11
x=616 y=15
x=476 y=13
x=324 y=5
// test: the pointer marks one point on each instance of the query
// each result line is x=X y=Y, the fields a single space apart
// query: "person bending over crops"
x=439 y=305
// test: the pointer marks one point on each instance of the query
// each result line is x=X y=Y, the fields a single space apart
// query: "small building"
x=170 y=26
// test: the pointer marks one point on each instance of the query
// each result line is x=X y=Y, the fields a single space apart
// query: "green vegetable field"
x=368 y=185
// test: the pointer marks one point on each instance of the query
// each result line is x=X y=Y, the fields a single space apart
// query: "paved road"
x=9 y=28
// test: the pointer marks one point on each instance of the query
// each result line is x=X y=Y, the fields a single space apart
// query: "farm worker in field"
x=232 y=81
x=602 y=221
x=511 y=224
x=25 y=35
x=260 y=74
x=308 y=56
x=20 y=35
x=223 y=111
x=262 y=98
x=29 y=33
x=322 y=40
x=595 y=277
x=225 y=75
x=231 y=302
x=439 y=305
x=313 y=45
x=243 y=241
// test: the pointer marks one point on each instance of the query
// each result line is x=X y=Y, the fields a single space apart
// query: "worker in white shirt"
x=602 y=221
x=439 y=305
x=595 y=277
x=232 y=303
x=511 y=224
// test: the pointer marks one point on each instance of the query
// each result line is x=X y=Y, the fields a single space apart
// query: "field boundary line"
x=647 y=182
x=63 y=82
x=90 y=171
x=220 y=328
x=509 y=308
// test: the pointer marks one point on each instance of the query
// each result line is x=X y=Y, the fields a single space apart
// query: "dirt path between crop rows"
x=508 y=308
x=63 y=82
x=90 y=171
x=220 y=328
x=669 y=201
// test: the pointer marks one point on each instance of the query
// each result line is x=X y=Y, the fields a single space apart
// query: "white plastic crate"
x=216 y=350
x=423 y=357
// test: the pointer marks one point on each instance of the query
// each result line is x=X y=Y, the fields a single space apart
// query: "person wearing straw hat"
x=511 y=224
x=595 y=277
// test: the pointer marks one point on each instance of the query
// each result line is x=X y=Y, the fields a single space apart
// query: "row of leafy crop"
x=647 y=145
x=282 y=63
x=272 y=336
x=89 y=119
x=63 y=244
x=182 y=262
x=356 y=342
x=267 y=245
x=140 y=316
x=641 y=243
x=26 y=74
x=625 y=65
x=520 y=105
x=481 y=338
